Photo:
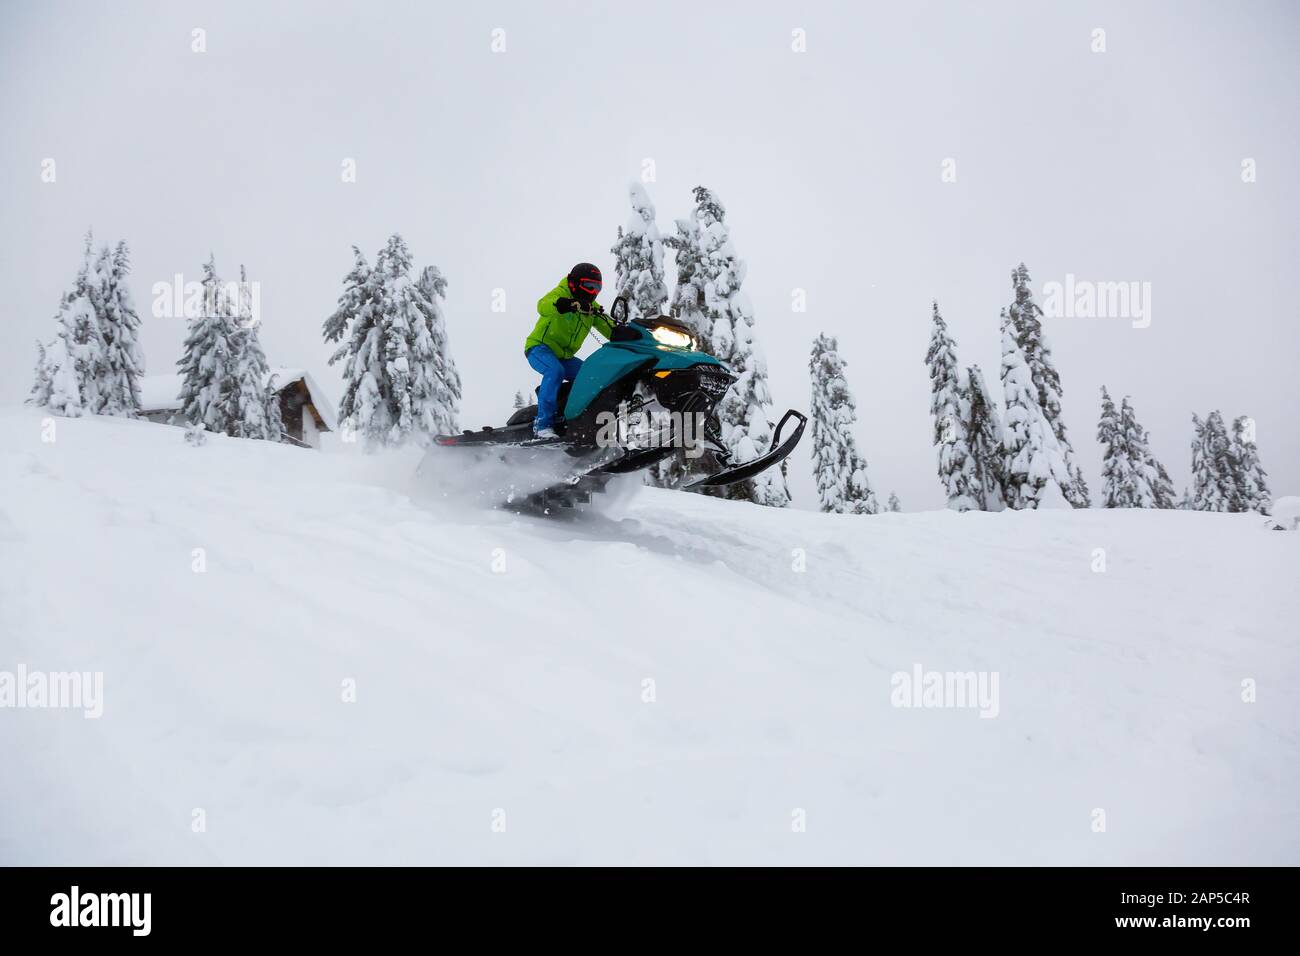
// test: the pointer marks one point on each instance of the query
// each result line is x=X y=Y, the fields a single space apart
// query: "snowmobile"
x=642 y=397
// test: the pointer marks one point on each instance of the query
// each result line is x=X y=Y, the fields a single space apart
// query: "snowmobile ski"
x=777 y=453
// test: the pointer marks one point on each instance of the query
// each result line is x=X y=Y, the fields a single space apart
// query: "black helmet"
x=584 y=282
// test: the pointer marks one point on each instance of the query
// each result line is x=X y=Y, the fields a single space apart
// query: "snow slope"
x=499 y=666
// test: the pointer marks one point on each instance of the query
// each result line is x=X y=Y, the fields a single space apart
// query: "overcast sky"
x=504 y=168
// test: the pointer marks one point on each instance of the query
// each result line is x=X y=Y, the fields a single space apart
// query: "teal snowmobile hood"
x=615 y=359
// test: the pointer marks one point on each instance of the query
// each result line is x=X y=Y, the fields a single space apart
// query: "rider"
x=565 y=315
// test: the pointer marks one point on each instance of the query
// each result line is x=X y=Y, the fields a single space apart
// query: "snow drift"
x=306 y=658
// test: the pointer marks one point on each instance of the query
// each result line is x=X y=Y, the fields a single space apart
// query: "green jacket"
x=564 y=332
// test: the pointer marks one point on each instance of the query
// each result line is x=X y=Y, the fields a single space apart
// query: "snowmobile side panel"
x=777 y=453
x=603 y=368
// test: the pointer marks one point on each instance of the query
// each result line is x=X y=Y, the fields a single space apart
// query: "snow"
x=501 y=668
x=1285 y=513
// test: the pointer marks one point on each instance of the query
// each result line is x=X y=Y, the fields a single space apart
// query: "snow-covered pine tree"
x=687 y=302
x=520 y=401
x=1142 y=475
x=94 y=364
x=441 y=386
x=1250 y=483
x=1212 y=470
x=839 y=470
x=61 y=369
x=256 y=402
x=355 y=305
x=1153 y=487
x=948 y=406
x=1202 y=471
x=399 y=381
x=983 y=429
x=894 y=504
x=1032 y=454
x=1186 y=503
x=209 y=360
x=1116 y=470
x=71 y=362
x=43 y=387
x=745 y=409
x=1080 y=496
x=1026 y=319
x=639 y=258
x=1166 y=494
x=121 y=362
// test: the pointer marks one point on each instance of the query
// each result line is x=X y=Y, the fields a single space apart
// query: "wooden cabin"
x=303 y=406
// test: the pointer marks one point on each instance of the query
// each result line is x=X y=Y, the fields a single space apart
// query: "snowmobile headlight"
x=672 y=338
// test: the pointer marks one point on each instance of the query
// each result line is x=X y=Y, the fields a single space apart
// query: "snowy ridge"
x=500 y=664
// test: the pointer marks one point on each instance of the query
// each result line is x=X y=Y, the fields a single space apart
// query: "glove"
x=565 y=305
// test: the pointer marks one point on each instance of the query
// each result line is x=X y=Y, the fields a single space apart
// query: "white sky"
x=504 y=169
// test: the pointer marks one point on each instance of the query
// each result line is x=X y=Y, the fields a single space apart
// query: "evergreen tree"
x=1026 y=318
x=121 y=361
x=209 y=361
x=63 y=372
x=1114 y=467
x=355 y=304
x=1079 y=494
x=840 y=471
x=688 y=294
x=1132 y=475
x=947 y=405
x=1032 y=454
x=1250 y=485
x=1142 y=477
x=1162 y=486
x=983 y=430
x=94 y=364
x=894 y=504
x=1186 y=503
x=520 y=401
x=1212 y=470
x=400 y=383
x=255 y=400
x=79 y=346
x=639 y=258
x=744 y=410
x=43 y=387
x=441 y=385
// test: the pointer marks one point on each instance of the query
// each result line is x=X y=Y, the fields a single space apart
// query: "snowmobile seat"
x=529 y=412
x=522 y=415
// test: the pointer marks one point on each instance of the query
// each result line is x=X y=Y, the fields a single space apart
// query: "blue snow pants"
x=554 y=372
